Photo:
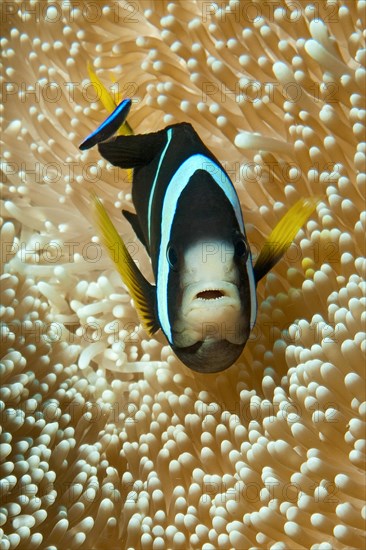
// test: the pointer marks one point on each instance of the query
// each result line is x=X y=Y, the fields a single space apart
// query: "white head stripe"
x=170 y=133
x=174 y=190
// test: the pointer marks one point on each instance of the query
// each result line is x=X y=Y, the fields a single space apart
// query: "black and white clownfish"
x=189 y=219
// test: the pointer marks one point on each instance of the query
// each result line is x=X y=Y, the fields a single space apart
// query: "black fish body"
x=189 y=218
x=185 y=202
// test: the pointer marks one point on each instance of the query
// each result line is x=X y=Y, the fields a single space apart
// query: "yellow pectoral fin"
x=283 y=235
x=142 y=292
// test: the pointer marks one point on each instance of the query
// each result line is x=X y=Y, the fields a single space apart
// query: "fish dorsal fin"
x=142 y=292
x=134 y=221
x=109 y=126
x=282 y=235
x=133 y=151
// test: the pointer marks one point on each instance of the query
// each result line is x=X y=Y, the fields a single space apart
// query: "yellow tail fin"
x=109 y=104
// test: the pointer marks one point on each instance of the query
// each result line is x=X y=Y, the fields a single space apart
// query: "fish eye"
x=172 y=256
x=240 y=247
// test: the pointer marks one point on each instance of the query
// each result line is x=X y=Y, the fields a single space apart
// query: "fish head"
x=210 y=305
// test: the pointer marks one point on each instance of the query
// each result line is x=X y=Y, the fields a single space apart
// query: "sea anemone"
x=107 y=440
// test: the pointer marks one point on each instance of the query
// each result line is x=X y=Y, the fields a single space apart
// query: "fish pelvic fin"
x=135 y=224
x=283 y=234
x=142 y=292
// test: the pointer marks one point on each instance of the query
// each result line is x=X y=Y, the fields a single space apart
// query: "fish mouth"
x=210 y=311
x=210 y=294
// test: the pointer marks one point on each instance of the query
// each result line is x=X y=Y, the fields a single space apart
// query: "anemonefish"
x=189 y=219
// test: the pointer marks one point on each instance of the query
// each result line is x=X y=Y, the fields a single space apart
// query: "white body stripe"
x=170 y=133
x=174 y=190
